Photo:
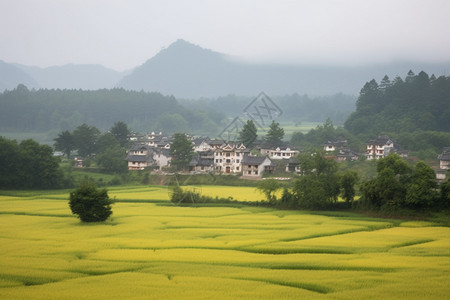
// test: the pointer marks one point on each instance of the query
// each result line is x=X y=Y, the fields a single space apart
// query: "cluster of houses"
x=218 y=156
x=152 y=151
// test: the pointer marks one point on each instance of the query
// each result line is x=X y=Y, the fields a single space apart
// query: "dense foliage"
x=89 y=203
x=43 y=110
x=248 y=134
x=398 y=185
x=418 y=102
x=275 y=134
x=108 y=150
x=181 y=151
x=28 y=165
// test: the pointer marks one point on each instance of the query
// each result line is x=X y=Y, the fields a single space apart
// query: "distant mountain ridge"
x=11 y=76
x=87 y=77
x=186 y=70
x=189 y=71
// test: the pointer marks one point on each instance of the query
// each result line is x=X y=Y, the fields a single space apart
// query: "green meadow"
x=151 y=249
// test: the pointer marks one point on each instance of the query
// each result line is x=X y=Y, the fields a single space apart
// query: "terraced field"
x=153 y=250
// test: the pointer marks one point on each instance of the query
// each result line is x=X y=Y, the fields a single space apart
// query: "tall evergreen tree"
x=275 y=134
x=121 y=132
x=248 y=134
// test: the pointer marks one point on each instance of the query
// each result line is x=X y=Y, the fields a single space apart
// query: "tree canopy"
x=416 y=103
x=28 y=165
x=89 y=203
x=248 y=134
x=181 y=151
x=275 y=134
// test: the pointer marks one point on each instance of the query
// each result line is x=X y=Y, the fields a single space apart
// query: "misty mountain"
x=11 y=76
x=189 y=71
x=86 y=77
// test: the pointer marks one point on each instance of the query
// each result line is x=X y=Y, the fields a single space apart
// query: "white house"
x=278 y=152
x=162 y=157
x=228 y=159
x=379 y=147
x=331 y=146
x=444 y=159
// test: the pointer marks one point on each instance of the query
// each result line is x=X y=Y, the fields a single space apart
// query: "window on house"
x=237 y=168
x=237 y=160
x=228 y=160
x=228 y=155
x=249 y=172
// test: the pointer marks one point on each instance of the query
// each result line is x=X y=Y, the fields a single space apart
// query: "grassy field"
x=150 y=249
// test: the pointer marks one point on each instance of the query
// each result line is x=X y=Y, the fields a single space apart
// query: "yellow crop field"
x=153 y=251
x=162 y=193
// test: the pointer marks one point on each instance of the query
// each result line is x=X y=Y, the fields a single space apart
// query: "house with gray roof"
x=255 y=166
x=140 y=157
x=444 y=159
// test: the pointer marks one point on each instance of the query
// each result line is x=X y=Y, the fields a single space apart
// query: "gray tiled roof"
x=253 y=160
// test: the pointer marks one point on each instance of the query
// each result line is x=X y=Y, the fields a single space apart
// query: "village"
x=152 y=151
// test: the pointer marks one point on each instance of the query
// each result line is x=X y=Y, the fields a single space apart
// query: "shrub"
x=89 y=203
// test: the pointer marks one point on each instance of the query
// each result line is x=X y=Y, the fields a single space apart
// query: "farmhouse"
x=202 y=162
x=379 y=148
x=346 y=155
x=254 y=166
x=444 y=159
x=277 y=152
x=331 y=146
x=292 y=165
x=228 y=158
x=140 y=157
x=162 y=157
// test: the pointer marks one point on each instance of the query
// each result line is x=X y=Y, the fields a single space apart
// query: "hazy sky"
x=122 y=34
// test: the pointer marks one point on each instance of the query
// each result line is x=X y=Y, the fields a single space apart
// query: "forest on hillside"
x=25 y=110
x=416 y=103
x=44 y=109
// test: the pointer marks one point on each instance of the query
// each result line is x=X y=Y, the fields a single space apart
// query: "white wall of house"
x=228 y=159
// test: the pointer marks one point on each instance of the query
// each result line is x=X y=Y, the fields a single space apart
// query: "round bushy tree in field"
x=89 y=203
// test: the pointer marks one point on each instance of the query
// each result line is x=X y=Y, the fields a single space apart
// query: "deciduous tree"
x=89 y=203
x=181 y=151
x=65 y=143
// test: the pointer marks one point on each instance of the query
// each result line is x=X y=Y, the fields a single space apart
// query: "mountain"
x=11 y=76
x=189 y=71
x=86 y=77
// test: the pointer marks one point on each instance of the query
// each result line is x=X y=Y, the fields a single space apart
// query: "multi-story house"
x=379 y=147
x=140 y=157
x=444 y=159
x=202 y=162
x=331 y=146
x=255 y=166
x=228 y=158
x=278 y=152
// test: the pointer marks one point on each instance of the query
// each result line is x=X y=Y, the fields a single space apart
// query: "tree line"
x=416 y=103
x=28 y=165
x=50 y=109
x=107 y=150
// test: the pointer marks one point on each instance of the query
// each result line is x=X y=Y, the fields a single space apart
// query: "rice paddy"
x=150 y=249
